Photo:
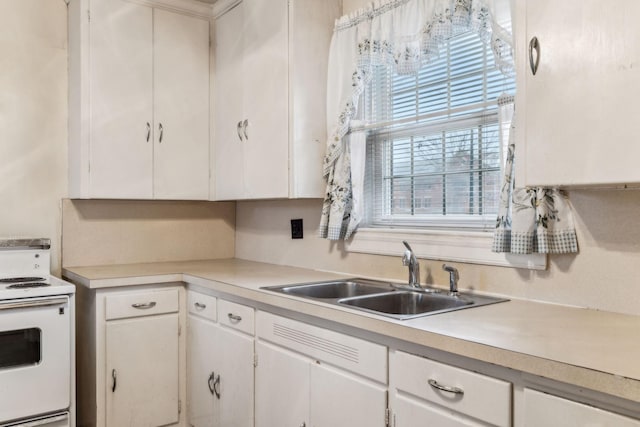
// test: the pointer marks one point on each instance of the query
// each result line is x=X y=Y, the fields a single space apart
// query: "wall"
x=33 y=119
x=33 y=163
x=33 y=170
x=98 y=232
x=601 y=276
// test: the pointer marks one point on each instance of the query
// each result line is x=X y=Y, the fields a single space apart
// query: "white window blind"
x=434 y=149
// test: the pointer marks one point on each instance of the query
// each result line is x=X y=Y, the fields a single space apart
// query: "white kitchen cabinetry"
x=220 y=363
x=132 y=359
x=542 y=409
x=138 y=102
x=423 y=391
x=309 y=376
x=576 y=117
x=269 y=97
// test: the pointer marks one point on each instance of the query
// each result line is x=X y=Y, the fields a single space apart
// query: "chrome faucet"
x=453 y=279
x=409 y=260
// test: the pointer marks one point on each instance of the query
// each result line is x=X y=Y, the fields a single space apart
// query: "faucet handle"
x=453 y=272
x=407 y=245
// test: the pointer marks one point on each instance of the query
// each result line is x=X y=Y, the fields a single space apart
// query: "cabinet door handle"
x=144 y=305
x=161 y=129
x=455 y=390
x=148 y=131
x=200 y=306
x=245 y=125
x=234 y=317
x=238 y=129
x=214 y=384
x=534 y=44
x=114 y=377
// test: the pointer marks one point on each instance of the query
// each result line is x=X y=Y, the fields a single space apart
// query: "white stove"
x=36 y=338
x=25 y=266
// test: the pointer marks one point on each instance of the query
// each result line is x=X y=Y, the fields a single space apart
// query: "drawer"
x=542 y=409
x=136 y=304
x=236 y=316
x=478 y=396
x=202 y=305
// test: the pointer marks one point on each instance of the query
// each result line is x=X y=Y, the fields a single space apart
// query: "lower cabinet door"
x=142 y=374
x=234 y=376
x=282 y=388
x=201 y=371
x=338 y=398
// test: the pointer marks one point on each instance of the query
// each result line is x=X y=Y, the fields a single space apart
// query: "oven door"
x=35 y=356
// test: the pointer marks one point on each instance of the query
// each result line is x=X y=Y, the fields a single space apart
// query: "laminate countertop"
x=583 y=347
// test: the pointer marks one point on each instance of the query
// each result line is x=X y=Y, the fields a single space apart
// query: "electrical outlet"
x=296 y=228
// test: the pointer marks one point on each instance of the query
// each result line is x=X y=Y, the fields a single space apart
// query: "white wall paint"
x=33 y=119
x=33 y=171
x=602 y=276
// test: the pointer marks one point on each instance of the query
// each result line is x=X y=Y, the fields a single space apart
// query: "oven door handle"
x=45 y=421
x=32 y=303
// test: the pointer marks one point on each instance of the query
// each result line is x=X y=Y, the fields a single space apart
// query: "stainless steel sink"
x=405 y=305
x=383 y=298
x=334 y=289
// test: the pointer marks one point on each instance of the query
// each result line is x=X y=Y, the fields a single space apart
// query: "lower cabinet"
x=220 y=362
x=542 y=409
x=309 y=376
x=246 y=368
x=130 y=356
x=425 y=392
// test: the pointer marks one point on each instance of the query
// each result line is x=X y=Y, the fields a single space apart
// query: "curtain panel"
x=534 y=219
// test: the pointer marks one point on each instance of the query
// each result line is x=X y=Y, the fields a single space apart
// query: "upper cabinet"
x=577 y=112
x=139 y=102
x=269 y=97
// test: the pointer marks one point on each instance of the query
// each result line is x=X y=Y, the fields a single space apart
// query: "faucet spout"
x=409 y=259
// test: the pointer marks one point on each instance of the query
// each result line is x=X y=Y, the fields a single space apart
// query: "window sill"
x=455 y=246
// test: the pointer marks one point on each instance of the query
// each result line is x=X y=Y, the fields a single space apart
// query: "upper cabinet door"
x=270 y=98
x=228 y=87
x=577 y=114
x=121 y=96
x=181 y=106
x=266 y=98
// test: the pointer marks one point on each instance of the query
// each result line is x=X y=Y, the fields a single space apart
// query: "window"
x=434 y=149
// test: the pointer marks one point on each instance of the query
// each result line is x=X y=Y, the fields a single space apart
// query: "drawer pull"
x=234 y=317
x=200 y=306
x=455 y=390
x=144 y=305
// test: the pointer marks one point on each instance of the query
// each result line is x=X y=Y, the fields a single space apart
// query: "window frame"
x=454 y=239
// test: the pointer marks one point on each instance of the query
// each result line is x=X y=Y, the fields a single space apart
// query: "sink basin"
x=384 y=298
x=407 y=304
x=335 y=289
